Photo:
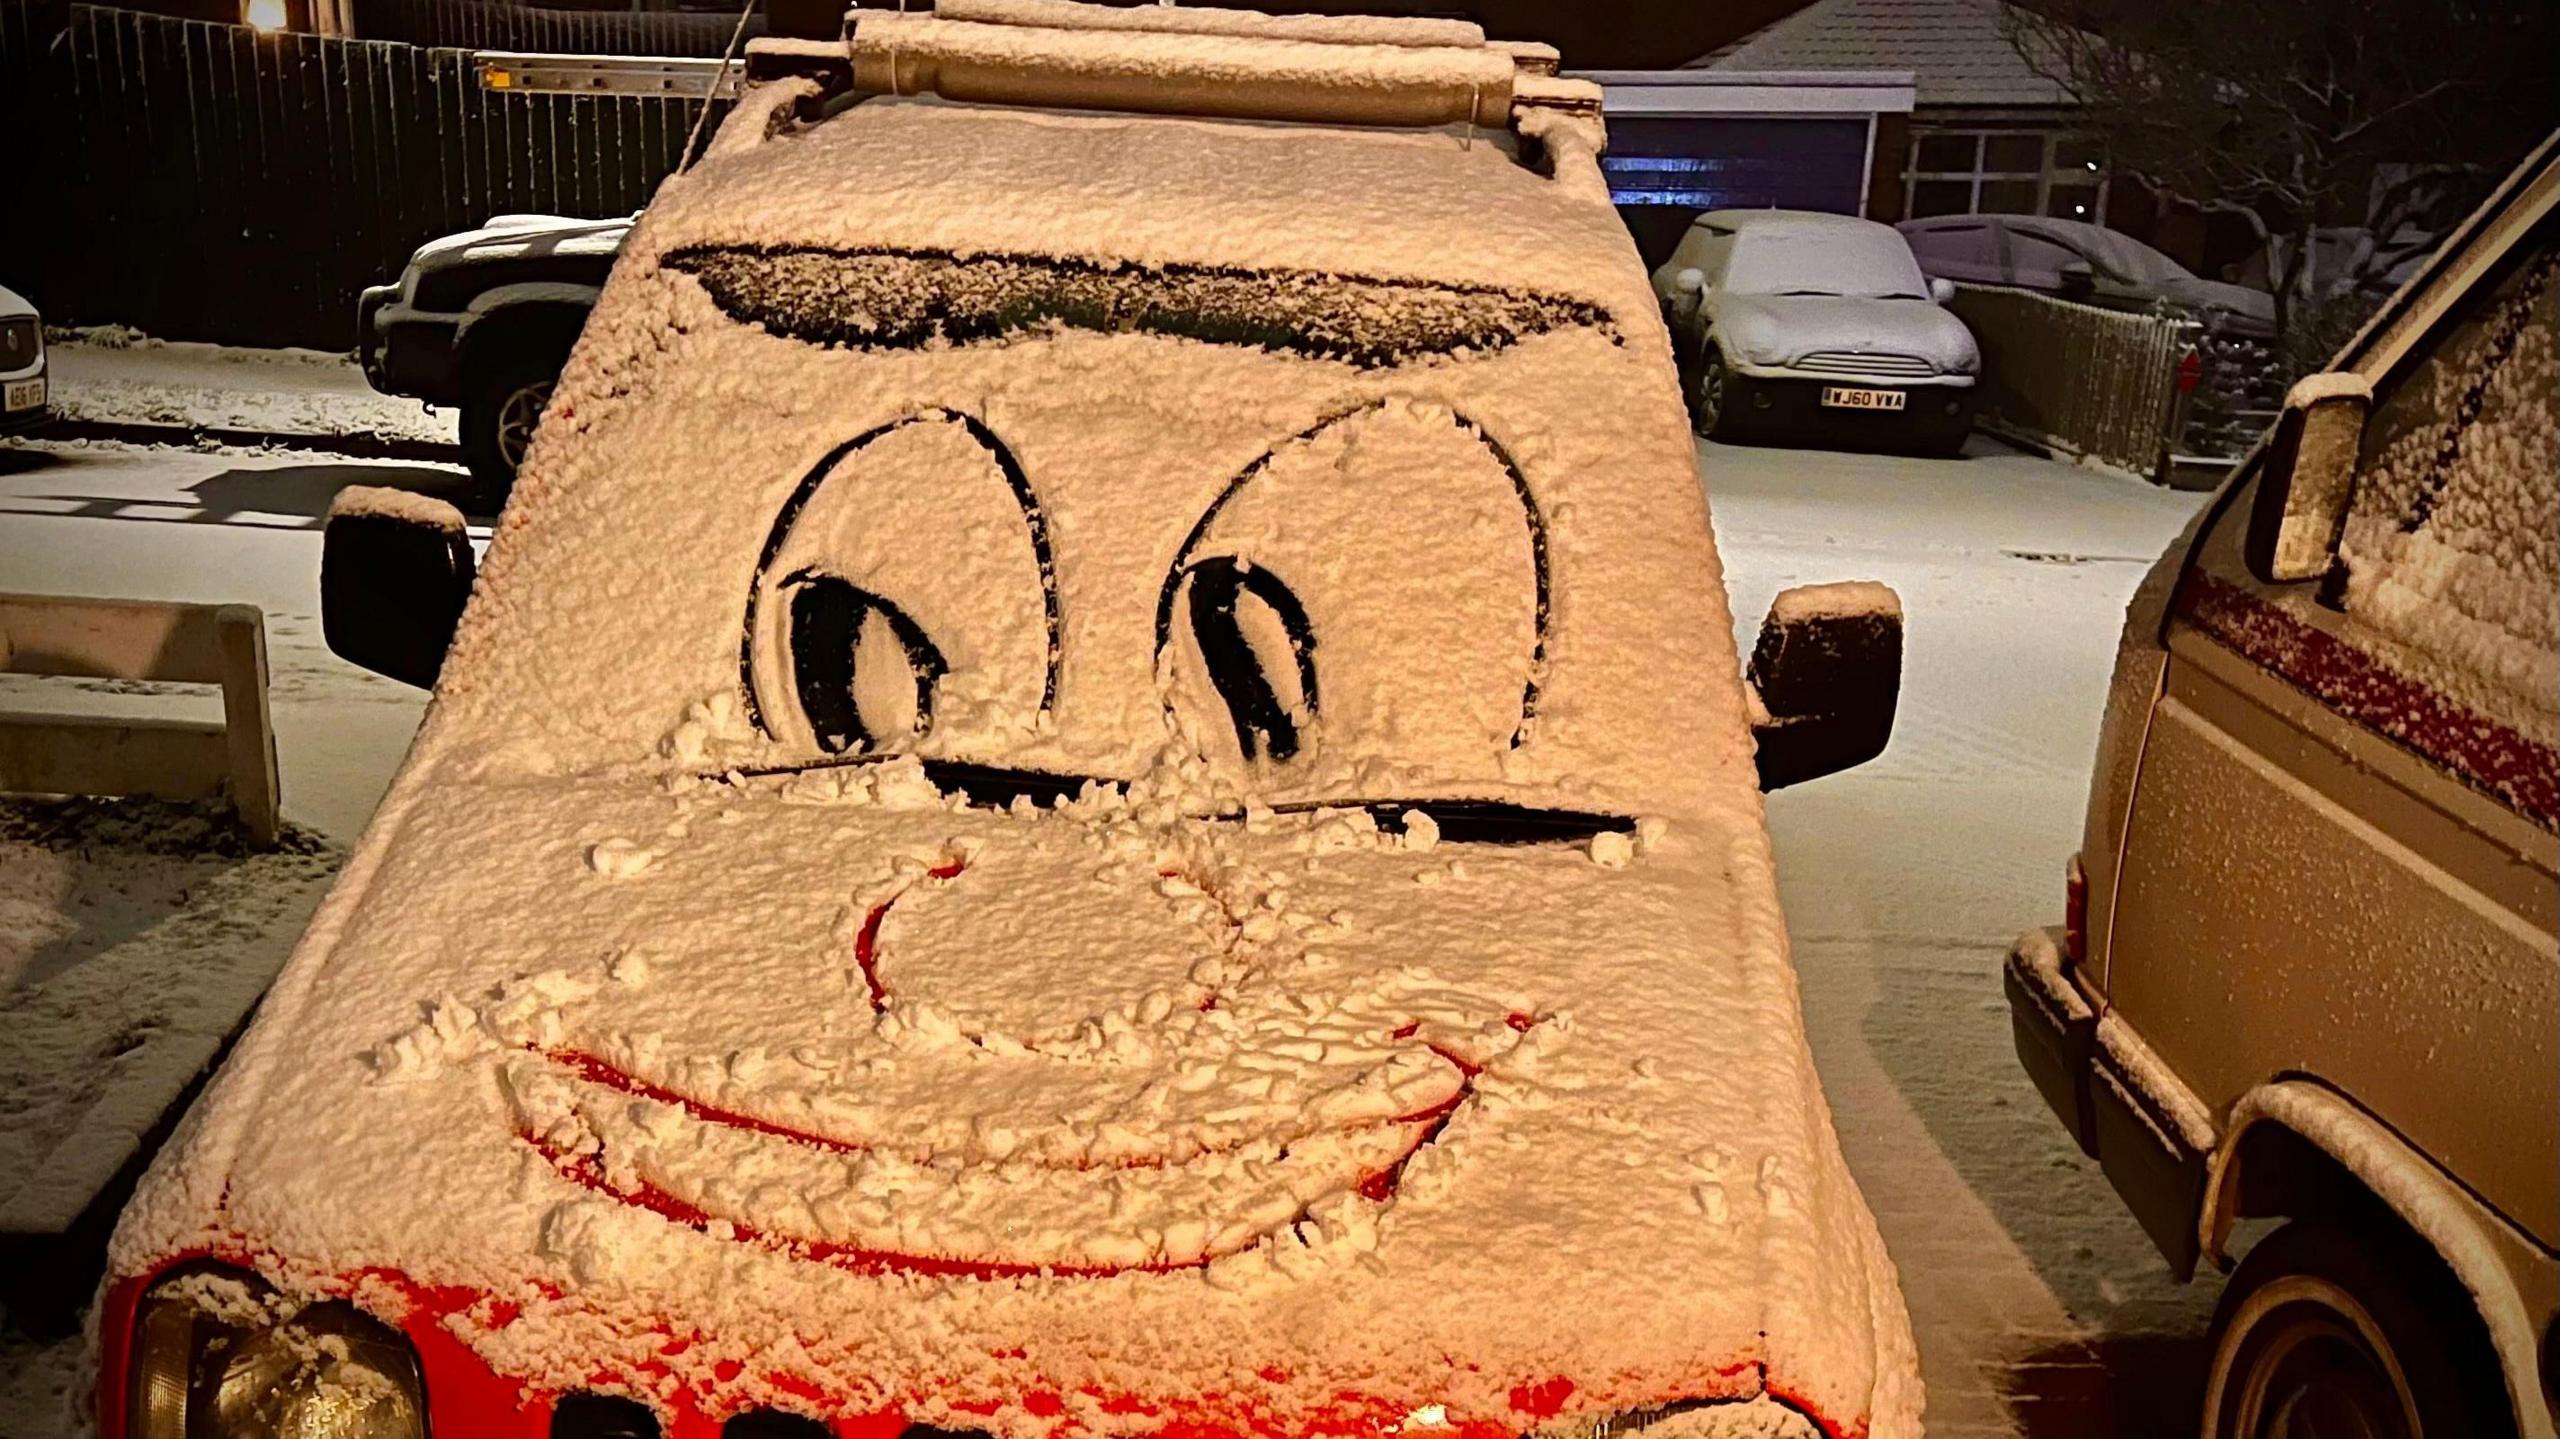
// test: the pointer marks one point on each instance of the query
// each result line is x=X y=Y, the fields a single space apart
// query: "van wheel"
x=2328 y=1332
x=500 y=408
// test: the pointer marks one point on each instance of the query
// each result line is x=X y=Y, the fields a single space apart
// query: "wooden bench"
x=178 y=760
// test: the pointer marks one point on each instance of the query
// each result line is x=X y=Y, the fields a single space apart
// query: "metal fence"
x=214 y=183
x=2093 y=383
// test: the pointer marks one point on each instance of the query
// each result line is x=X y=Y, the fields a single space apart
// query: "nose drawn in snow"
x=909 y=571
x=1385 y=571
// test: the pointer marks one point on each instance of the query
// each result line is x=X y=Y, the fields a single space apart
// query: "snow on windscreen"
x=1867 y=260
x=897 y=299
x=2452 y=545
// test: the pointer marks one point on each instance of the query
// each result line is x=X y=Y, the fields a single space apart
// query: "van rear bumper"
x=2054 y=1029
x=2119 y=1102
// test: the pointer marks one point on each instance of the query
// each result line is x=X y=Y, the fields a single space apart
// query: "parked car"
x=1812 y=325
x=2233 y=388
x=24 y=403
x=2080 y=261
x=2308 y=971
x=1114 y=798
x=483 y=321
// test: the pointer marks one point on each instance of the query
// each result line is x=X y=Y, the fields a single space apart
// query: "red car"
x=1097 y=784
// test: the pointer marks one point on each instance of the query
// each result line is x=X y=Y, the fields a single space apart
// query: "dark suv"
x=484 y=320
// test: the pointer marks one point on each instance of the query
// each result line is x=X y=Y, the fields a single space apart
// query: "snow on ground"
x=133 y=936
x=165 y=523
x=2040 y=1308
x=118 y=376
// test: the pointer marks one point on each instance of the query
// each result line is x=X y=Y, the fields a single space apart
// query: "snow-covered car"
x=23 y=401
x=2234 y=386
x=483 y=321
x=2308 y=971
x=1098 y=783
x=1821 y=326
x=2077 y=260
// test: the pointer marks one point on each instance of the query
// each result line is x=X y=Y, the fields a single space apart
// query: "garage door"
x=1663 y=172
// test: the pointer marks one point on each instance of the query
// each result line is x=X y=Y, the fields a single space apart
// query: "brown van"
x=2308 y=972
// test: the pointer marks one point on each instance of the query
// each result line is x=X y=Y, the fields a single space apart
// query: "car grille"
x=1846 y=362
x=18 y=341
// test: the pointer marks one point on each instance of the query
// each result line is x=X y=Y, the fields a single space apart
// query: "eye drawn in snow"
x=1134 y=1063
x=1403 y=540
x=866 y=614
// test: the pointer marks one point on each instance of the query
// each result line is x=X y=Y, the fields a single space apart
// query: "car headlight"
x=217 y=1354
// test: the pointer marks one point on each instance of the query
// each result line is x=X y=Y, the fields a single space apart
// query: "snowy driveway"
x=2041 y=1309
x=1904 y=881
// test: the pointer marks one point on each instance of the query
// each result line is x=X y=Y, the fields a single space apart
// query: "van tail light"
x=2075 y=913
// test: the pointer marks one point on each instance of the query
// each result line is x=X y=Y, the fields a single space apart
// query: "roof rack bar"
x=1191 y=20
x=1229 y=77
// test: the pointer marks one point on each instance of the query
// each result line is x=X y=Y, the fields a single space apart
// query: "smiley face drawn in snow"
x=1138 y=1055
x=1147 y=1071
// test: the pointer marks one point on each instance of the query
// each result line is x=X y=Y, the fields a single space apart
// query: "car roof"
x=923 y=174
x=1767 y=221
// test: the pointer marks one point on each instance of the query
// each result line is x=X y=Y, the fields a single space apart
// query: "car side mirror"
x=2308 y=478
x=395 y=570
x=1825 y=676
x=2078 y=278
x=1942 y=290
x=1690 y=281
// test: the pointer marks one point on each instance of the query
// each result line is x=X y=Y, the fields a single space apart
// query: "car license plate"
x=1841 y=397
x=26 y=394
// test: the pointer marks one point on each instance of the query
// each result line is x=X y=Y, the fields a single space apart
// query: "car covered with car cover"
x=1097 y=783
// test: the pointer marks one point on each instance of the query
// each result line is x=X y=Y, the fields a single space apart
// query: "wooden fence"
x=2087 y=382
x=215 y=183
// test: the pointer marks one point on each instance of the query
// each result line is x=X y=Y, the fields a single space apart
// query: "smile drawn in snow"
x=612 y=1131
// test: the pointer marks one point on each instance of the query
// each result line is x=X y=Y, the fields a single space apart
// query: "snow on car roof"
x=922 y=173
x=1778 y=220
x=713 y=944
x=1402 y=31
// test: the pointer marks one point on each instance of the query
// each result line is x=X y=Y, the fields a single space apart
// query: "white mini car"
x=1098 y=785
x=1791 y=323
x=24 y=403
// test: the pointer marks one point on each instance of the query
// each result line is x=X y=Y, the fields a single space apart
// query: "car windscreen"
x=1358 y=615
x=1866 y=261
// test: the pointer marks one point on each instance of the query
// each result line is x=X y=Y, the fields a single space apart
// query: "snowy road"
x=2041 y=1309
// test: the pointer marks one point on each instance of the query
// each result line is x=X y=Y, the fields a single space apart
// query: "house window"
x=2004 y=172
